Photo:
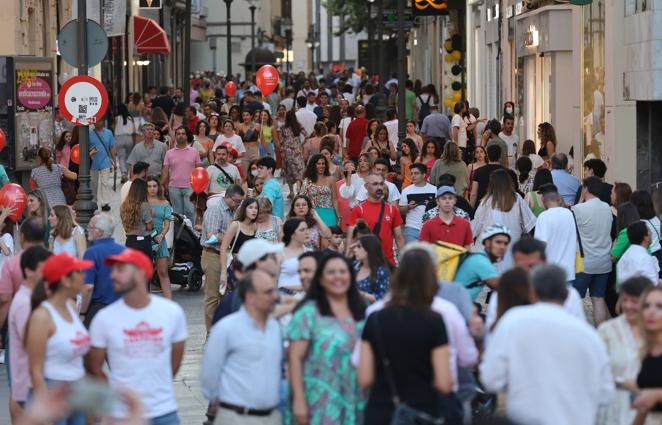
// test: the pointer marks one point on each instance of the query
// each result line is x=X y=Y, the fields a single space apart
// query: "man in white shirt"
x=311 y=99
x=391 y=125
x=594 y=218
x=306 y=118
x=379 y=167
x=637 y=261
x=527 y=254
x=141 y=336
x=139 y=170
x=556 y=227
x=233 y=365
x=511 y=139
x=553 y=367
x=288 y=101
x=413 y=200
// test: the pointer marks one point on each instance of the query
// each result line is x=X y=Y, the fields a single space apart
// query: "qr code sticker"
x=82 y=109
x=93 y=100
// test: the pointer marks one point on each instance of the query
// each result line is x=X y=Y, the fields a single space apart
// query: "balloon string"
x=195 y=219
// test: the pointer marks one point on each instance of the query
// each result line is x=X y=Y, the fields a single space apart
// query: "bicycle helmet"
x=497 y=229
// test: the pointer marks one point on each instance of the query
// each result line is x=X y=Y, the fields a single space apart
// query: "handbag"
x=579 y=255
x=229 y=258
x=403 y=414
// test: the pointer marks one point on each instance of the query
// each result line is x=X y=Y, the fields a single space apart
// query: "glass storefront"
x=593 y=80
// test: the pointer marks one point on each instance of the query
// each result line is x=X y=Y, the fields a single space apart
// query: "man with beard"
x=383 y=219
x=142 y=337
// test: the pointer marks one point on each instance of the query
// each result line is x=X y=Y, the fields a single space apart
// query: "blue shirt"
x=274 y=193
x=436 y=125
x=99 y=274
x=475 y=268
x=567 y=184
x=101 y=160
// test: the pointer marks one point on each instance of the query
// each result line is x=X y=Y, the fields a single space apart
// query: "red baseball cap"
x=59 y=265
x=135 y=257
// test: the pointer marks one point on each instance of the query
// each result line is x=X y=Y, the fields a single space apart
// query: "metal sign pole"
x=84 y=205
x=402 y=71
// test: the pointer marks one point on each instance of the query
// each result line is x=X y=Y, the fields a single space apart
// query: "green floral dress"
x=332 y=390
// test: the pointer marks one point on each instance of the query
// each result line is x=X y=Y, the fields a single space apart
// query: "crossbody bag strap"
x=579 y=238
x=378 y=226
x=102 y=144
x=229 y=177
x=386 y=362
x=236 y=236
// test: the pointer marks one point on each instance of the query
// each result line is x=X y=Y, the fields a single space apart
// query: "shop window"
x=593 y=82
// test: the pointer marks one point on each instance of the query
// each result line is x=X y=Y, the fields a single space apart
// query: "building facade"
x=550 y=59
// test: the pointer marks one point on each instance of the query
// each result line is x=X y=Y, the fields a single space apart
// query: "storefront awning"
x=149 y=37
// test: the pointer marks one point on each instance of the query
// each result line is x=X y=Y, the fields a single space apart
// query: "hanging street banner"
x=429 y=7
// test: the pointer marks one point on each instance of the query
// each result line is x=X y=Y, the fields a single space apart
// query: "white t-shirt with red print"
x=138 y=344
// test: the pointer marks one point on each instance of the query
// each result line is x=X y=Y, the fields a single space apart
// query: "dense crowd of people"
x=350 y=276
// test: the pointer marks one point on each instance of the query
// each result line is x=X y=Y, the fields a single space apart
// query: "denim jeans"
x=271 y=152
x=168 y=419
x=180 y=200
x=411 y=234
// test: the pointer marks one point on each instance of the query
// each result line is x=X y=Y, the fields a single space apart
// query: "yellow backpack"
x=449 y=258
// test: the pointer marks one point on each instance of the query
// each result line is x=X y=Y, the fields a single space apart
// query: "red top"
x=356 y=132
x=458 y=232
x=192 y=123
x=369 y=212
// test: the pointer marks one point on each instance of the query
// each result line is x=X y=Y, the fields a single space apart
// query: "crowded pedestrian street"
x=342 y=212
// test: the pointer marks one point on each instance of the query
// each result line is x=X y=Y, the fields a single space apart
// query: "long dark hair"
x=414 y=284
x=317 y=294
x=46 y=158
x=627 y=214
x=413 y=150
x=289 y=227
x=311 y=167
x=514 y=290
x=373 y=247
x=292 y=122
x=61 y=141
x=437 y=150
x=524 y=166
x=644 y=203
x=241 y=214
x=543 y=176
x=123 y=111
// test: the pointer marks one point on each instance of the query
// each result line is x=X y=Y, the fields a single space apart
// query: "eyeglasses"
x=237 y=200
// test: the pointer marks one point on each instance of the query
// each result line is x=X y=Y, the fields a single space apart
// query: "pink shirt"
x=182 y=162
x=12 y=277
x=63 y=156
x=19 y=312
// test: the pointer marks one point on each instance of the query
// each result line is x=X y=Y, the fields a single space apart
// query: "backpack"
x=425 y=109
x=449 y=259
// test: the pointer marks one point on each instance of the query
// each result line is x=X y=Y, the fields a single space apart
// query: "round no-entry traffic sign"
x=83 y=100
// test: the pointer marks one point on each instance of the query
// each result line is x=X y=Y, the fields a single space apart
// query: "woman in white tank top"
x=56 y=339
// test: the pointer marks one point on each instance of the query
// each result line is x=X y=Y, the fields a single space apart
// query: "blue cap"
x=442 y=190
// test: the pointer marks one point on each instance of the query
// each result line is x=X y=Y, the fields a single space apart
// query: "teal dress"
x=161 y=214
x=332 y=391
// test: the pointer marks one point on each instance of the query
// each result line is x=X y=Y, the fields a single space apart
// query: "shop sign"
x=531 y=37
x=581 y=2
x=83 y=100
x=429 y=7
x=149 y=4
x=33 y=92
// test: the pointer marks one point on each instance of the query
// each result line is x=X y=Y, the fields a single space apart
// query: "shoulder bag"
x=579 y=255
x=228 y=176
x=403 y=414
x=378 y=226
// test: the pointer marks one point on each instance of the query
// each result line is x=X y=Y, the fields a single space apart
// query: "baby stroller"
x=185 y=254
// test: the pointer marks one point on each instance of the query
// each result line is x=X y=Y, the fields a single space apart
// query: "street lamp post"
x=252 y=8
x=402 y=70
x=371 y=34
x=313 y=43
x=84 y=205
x=228 y=3
x=286 y=26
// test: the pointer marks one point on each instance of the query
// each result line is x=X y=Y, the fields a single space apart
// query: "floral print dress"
x=292 y=155
x=322 y=199
x=332 y=391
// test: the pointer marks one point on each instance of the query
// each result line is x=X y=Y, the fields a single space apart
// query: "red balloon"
x=199 y=180
x=3 y=140
x=75 y=154
x=13 y=194
x=267 y=79
x=230 y=89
